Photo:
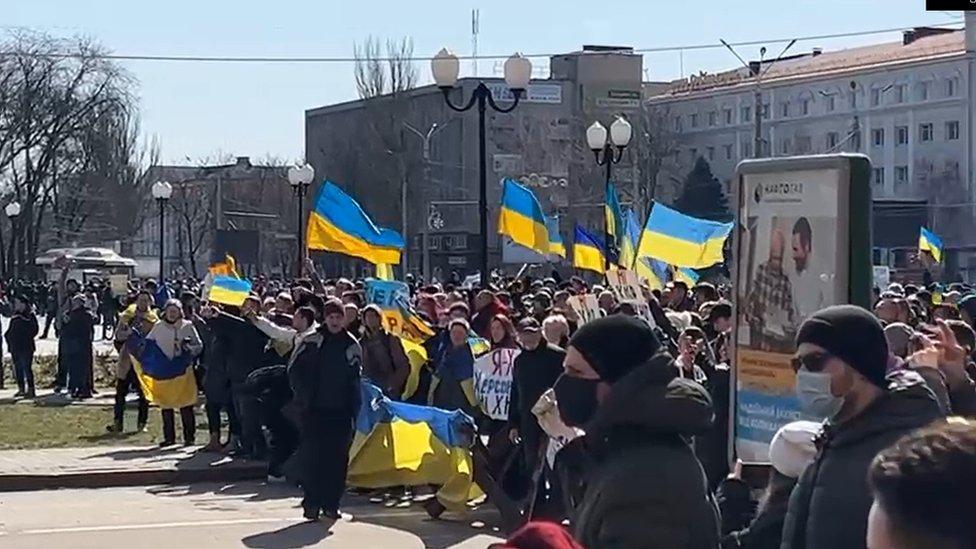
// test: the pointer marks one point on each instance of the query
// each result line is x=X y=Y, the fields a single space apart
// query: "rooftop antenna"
x=475 y=16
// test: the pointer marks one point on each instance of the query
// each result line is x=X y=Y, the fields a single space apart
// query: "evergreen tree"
x=702 y=195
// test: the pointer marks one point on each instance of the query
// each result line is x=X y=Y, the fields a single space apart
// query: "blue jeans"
x=23 y=371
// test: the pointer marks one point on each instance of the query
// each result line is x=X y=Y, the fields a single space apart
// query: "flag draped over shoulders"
x=166 y=382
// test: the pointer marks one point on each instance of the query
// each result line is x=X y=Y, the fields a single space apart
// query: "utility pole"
x=425 y=154
x=758 y=72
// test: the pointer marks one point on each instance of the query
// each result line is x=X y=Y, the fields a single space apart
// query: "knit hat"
x=792 y=448
x=615 y=345
x=333 y=307
x=898 y=335
x=852 y=334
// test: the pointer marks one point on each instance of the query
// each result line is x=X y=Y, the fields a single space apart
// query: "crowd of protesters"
x=619 y=426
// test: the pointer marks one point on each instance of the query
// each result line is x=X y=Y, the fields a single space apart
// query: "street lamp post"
x=612 y=150
x=162 y=191
x=13 y=212
x=445 y=67
x=300 y=177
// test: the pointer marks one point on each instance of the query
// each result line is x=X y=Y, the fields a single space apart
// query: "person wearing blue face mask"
x=840 y=363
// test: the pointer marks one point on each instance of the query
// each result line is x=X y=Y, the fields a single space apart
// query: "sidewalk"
x=100 y=467
x=46 y=397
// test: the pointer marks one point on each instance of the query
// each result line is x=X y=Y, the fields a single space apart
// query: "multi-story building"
x=241 y=208
x=375 y=148
x=907 y=105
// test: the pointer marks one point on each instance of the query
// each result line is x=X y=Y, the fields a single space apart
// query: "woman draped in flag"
x=177 y=341
x=452 y=387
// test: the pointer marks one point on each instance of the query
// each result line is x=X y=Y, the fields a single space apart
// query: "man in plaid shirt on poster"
x=772 y=314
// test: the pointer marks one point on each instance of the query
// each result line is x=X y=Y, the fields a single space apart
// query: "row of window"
x=899 y=93
x=878 y=175
x=926 y=132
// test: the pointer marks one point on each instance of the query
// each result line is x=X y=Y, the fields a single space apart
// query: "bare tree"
x=192 y=204
x=654 y=148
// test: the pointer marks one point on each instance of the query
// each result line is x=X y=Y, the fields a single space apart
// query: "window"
x=693 y=154
x=952 y=130
x=901 y=93
x=728 y=152
x=901 y=135
x=852 y=99
x=831 y=142
x=694 y=120
x=765 y=110
x=712 y=118
x=922 y=91
x=950 y=87
x=877 y=176
x=785 y=146
x=877 y=137
x=901 y=175
x=784 y=109
x=802 y=144
x=875 y=97
x=925 y=132
x=745 y=149
x=804 y=107
x=710 y=153
x=727 y=115
x=831 y=104
x=745 y=114
x=677 y=123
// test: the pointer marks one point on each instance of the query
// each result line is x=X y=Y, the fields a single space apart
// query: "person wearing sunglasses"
x=840 y=363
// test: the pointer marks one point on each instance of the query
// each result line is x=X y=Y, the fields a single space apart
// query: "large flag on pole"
x=682 y=240
x=556 y=246
x=521 y=218
x=338 y=224
x=616 y=230
x=588 y=251
x=931 y=243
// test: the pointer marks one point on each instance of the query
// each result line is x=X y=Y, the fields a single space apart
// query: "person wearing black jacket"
x=535 y=371
x=20 y=340
x=77 y=334
x=325 y=380
x=246 y=351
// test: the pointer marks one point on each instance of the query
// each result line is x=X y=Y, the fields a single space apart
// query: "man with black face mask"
x=632 y=480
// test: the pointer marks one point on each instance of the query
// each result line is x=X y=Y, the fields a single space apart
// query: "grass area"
x=25 y=426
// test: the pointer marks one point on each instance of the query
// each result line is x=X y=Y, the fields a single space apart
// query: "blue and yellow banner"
x=680 y=239
x=339 y=224
x=393 y=299
x=229 y=290
x=167 y=383
x=400 y=444
x=616 y=230
x=521 y=218
x=931 y=243
x=588 y=251
x=556 y=246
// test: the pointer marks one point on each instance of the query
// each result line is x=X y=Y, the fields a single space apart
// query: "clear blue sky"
x=200 y=109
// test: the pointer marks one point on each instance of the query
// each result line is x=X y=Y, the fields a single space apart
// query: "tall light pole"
x=612 y=150
x=300 y=177
x=162 y=191
x=445 y=67
x=13 y=212
x=425 y=154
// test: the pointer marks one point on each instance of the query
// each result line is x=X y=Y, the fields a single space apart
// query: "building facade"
x=907 y=105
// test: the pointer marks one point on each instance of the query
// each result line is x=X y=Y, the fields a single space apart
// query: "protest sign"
x=627 y=289
x=493 y=381
x=393 y=299
x=119 y=284
x=585 y=307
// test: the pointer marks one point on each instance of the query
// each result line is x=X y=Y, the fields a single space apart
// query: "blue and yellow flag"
x=556 y=246
x=339 y=224
x=229 y=290
x=630 y=240
x=521 y=218
x=400 y=444
x=686 y=275
x=588 y=252
x=680 y=239
x=167 y=383
x=227 y=267
x=931 y=243
x=616 y=229
x=393 y=299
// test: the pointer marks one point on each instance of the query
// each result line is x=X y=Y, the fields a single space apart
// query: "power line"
x=302 y=59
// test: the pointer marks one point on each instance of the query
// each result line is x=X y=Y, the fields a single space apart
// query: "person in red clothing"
x=539 y=535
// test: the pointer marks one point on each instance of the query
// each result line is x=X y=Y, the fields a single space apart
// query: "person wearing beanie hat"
x=840 y=362
x=638 y=418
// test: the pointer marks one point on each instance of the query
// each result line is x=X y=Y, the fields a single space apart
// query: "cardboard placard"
x=586 y=307
x=493 y=381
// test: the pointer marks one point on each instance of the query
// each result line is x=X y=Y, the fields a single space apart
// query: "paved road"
x=248 y=514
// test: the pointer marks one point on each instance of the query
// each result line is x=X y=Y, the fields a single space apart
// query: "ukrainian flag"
x=556 y=246
x=686 y=275
x=588 y=252
x=339 y=224
x=521 y=218
x=616 y=230
x=227 y=267
x=679 y=239
x=630 y=241
x=931 y=243
x=393 y=299
x=400 y=444
x=167 y=383
x=229 y=290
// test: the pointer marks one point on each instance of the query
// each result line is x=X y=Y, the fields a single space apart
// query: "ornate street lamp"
x=300 y=177
x=162 y=191
x=608 y=152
